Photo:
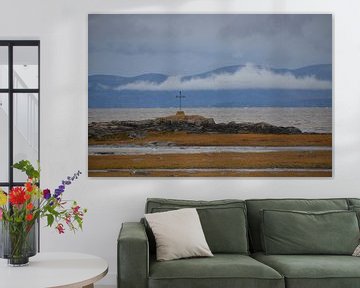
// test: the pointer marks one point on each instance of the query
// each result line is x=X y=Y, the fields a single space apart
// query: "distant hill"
x=321 y=72
x=110 y=82
x=105 y=91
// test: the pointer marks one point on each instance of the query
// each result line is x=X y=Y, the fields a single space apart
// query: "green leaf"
x=50 y=219
x=79 y=221
x=26 y=167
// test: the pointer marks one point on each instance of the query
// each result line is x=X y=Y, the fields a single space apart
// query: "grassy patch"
x=209 y=139
x=288 y=159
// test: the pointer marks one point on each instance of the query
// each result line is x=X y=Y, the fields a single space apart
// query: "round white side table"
x=50 y=270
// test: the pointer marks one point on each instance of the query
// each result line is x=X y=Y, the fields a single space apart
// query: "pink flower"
x=68 y=219
x=76 y=210
x=1 y=214
x=60 y=228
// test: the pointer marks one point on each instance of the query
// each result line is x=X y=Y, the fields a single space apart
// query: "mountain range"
x=249 y=86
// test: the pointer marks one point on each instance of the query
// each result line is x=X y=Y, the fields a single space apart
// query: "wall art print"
x=240 y=95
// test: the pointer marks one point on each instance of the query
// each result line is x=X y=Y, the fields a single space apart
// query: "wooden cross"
x=180 y=97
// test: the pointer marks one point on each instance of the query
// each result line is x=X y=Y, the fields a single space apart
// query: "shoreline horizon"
x=308 y=119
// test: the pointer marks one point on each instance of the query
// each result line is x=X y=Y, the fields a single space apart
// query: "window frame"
x=10 y=91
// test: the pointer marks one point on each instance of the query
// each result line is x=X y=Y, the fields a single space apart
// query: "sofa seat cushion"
x=313 y=271
x=222 y=270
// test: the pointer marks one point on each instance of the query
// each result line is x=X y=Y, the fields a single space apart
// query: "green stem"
x=18 y=237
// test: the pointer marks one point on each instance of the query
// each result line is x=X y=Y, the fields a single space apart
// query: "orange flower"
x=29 y=206
x=29 y=217
x=29 y=186
x=27 y=196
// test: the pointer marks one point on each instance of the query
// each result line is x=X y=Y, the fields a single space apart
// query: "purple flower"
x=46 y=194
x=64 y=183
x=58 y=192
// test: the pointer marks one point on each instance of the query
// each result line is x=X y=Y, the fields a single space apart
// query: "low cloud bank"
x=248 y=77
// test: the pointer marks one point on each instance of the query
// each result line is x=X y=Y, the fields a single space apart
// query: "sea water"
x=307 y=119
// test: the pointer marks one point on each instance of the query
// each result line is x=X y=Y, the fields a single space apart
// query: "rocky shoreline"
x=185 y=123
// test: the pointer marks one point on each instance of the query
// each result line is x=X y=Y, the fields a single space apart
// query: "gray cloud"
x=186 y=44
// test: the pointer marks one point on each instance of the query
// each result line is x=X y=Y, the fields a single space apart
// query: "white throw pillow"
x=178 y=234
x=357 y=251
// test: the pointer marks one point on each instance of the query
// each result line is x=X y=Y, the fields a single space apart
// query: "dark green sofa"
x=232 y=230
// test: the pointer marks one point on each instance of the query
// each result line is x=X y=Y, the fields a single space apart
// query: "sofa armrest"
x=133 y=256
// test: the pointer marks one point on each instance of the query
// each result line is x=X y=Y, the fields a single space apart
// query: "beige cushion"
x=357 y=251
x=178 y=234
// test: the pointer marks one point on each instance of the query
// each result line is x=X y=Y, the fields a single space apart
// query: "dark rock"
x=136 y=134
x=186 y=123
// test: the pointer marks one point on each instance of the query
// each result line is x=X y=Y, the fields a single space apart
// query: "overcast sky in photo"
x=131 y=44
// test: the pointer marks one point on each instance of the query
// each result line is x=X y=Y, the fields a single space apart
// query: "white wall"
x=61 y=25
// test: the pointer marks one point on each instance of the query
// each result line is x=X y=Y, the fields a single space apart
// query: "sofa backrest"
x=256 y=205
x=223 y=221
x=353 y=202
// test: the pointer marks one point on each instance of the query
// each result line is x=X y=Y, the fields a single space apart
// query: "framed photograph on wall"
x=240 y=95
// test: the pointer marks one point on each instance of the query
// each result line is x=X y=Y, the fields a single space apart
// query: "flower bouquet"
x=21 y=208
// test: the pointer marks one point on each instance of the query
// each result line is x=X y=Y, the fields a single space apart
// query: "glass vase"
x=18 y=242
